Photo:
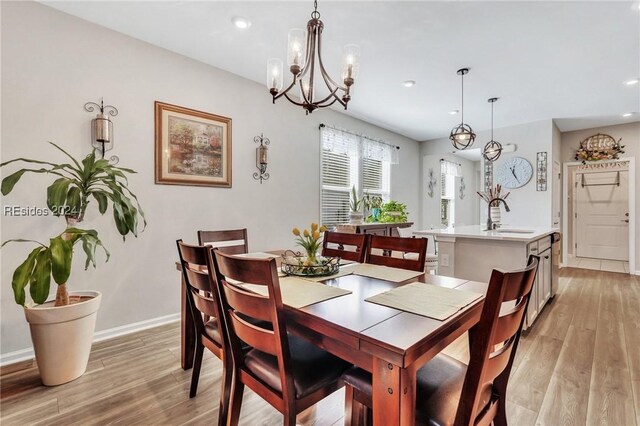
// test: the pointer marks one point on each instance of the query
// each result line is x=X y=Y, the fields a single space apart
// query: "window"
x=348 y=161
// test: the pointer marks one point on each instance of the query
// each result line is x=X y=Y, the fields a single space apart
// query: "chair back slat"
x=254 y=336
x=204 y=304
x=489 y=366
x=400 y=245
x=198 y=278
x=251 y=304
x=346 y=246
x=244 y=311
x=509 y=323
x=232 y=241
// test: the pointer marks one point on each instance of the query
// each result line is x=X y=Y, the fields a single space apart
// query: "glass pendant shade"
x=350 y=63
x=274 y=74
x=296 y=50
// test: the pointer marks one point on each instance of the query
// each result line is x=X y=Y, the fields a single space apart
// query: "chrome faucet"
x=490 y=225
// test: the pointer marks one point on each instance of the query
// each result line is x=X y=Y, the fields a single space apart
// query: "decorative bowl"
x=296 y=264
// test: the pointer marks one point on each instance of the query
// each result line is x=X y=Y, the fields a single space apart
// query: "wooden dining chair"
x=288 y=372
x=400 y=245
x=450 y=392
x=205 y=309
x=333 y=244
x=232 y=241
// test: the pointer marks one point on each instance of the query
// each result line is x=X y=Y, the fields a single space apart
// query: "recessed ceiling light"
x=241 y=22
x=409 y=83
x=454 y=111
x=632 y=82
x=628 y=114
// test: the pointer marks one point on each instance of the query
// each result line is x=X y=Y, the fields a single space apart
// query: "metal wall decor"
x=599 y=147
x=102 y=127
x=462 y=188
x=488 y=175
x=541 y=171
x=431 y=185
x=462 y=136
x=261 y=158
x=304 y=53
x=493 y=148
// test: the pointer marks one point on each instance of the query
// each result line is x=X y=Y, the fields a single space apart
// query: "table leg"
x=187 y=329
x=393 y=394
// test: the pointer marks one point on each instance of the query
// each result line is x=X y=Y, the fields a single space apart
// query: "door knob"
x=625 y=220
x=626 y=214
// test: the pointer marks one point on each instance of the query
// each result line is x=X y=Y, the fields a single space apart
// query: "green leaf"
x=61 y=256
x=40 y=281
x=79 y=167
x=102 y=200
x=73 y=201
x=89 y=245
x=57 y=195
x=120 y=219
x=10 y=181
x=20 y=240
x=21 y=276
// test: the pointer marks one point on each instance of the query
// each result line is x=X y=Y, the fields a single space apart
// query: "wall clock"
x=514 y=173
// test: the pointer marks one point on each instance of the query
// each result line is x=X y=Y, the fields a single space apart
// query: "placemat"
x=298 y=293
x=426 y=299
x=386 y=273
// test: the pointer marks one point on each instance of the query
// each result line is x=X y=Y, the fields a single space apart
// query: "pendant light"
x=493 y=148
x=305 y=63
x=462 y=135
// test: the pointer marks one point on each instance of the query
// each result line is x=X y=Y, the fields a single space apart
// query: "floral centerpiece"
x=310 y=241
x=311 y=264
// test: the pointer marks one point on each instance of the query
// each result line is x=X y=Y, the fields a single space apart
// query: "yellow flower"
x=323 y=228
x=316 y=235
x=305 y=233
x=314 y=226
x=296 y=231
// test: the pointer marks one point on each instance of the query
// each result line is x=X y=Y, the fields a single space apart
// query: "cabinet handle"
x=546 y=257
x=534 y=249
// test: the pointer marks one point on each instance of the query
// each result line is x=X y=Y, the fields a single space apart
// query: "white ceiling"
x=562 y=60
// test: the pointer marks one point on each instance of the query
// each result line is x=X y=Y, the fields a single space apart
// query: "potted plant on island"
x=355 y=204
x=62 y=329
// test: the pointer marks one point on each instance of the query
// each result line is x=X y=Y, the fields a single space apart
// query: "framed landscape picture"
x=192 y=147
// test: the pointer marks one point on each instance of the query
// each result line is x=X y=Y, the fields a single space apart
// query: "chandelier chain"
x=492 y=119
x=315 y=14
x=462 y=106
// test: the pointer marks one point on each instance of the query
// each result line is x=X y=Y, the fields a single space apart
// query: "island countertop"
x=505 y=233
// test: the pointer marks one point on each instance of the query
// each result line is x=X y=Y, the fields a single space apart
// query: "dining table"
x=390 y=343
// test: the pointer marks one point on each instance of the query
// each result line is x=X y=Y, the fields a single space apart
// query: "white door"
x=602 y=208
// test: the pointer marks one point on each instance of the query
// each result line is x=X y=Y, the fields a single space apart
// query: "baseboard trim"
x=27 y=354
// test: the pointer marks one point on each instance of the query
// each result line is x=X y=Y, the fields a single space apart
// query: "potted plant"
x=355 y=205
x=373 y=204
x=393 y=212
x=62 y=329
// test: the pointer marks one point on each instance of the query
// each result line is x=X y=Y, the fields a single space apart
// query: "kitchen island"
x=471 y=252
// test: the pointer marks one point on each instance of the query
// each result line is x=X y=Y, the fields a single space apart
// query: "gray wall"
x=53 y=63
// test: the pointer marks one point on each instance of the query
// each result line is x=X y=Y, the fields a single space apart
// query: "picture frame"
x=191 y=147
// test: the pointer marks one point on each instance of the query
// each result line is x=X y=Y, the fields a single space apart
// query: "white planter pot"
x=62 y=337
x=356 y=218
x=495 y=215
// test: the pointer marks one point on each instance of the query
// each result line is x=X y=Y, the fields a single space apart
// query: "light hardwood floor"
x=579 y=364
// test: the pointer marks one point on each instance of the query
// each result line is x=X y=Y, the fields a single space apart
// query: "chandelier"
x=462 y=135
x=493 y=148
x=304 y=58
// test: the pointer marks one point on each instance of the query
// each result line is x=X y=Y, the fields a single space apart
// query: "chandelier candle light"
x=462 y=135
x=493 y=148
x=303 y=54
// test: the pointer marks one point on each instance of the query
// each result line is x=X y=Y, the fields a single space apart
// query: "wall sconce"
x=261 y=158
x=102 y=126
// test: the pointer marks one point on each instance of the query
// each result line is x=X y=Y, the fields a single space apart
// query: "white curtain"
x=347 y=143
x=450 y=168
